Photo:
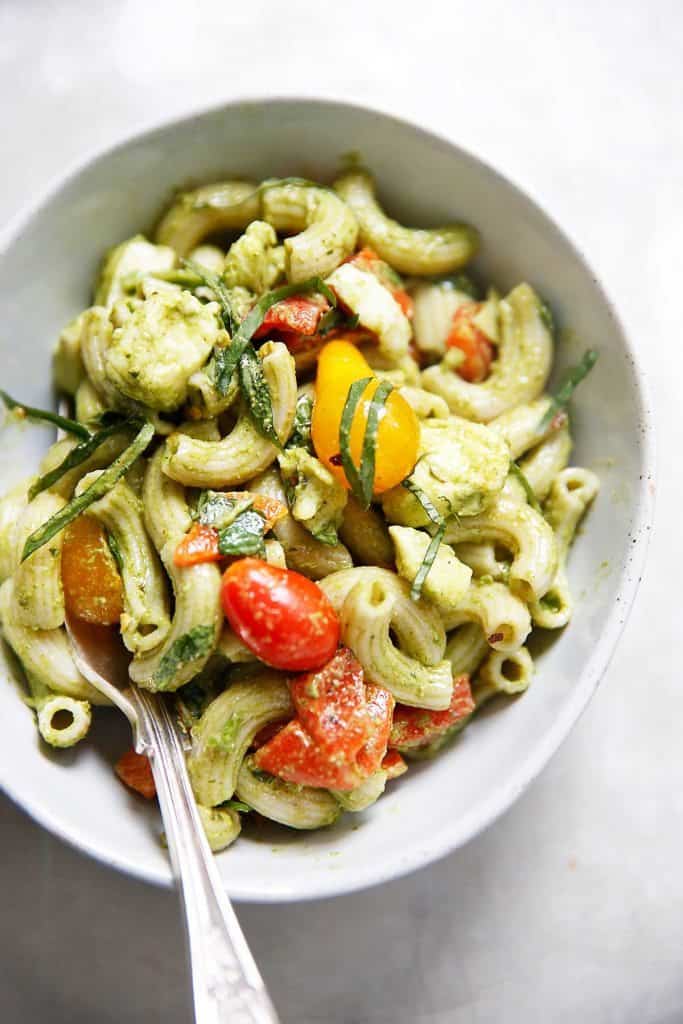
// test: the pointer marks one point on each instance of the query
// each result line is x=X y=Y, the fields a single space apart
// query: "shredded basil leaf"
x=240 y=353
x=46 y=416
x=220 y=510
x=427 y=562
x=369 y=450
x=301 y=430
x=237 y=805
x=113 y=545
x=230 y=321
x=244 y=536
x=78 y=455
x=326 y=535
x=440 y=522
x=349 y=411
x=571 y=380
x=97 y=490
x=335 y=317
x=192 y=700
x=257 y=393
x=189 y=647
x=362 y=479
x=528 y=489
x=226 y=359
x=424 y=501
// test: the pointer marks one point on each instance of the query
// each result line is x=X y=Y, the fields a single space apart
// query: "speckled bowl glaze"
x=48 y=257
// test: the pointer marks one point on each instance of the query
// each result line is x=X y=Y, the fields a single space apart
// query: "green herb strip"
x=212 y=281
x=430 y=554
x=219 y=510
x=241 y=354
x=336 y=318
x=238 y=805
x=349 y=411
x=244 y=536
x=301 y=430
x=326 y=535
x=257 y=393
x=424 y=501
x=226 y=359
x=78 y=455
x=571 y=380
x=46 y=416
x=97 y=490
x=191 y=646
x=427 y=562
x=113 y=545
x=528 y=489
x=369 y=450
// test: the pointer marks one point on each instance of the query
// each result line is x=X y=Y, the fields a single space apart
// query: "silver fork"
x=227 y=987
x=226 y=983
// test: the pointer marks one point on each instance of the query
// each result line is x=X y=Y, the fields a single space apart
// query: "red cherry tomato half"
x=283 y=617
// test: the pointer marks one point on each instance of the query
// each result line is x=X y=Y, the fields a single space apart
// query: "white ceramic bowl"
x=47 y=261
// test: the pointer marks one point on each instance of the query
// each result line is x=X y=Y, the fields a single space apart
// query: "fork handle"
x=226 y=983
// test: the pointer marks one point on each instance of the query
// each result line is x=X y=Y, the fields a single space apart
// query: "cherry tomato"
x=398 y=434
x=92 y=585
x=331 y=705
x=415 y=727
x=467 y=337
x=135 y=771
x=283 y=617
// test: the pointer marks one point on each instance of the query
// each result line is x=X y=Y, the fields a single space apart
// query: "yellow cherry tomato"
x=398 y=434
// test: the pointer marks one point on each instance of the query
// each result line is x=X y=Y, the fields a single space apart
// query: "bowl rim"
x=527 y=769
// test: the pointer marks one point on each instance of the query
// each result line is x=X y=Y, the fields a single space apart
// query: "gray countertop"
x=569 y=908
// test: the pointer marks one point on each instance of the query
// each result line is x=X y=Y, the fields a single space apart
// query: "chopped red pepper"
x=199 y=545
x=297 y=315
x=415 y=727
x=135 y=771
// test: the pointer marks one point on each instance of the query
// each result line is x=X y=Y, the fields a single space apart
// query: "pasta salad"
x=314 y=480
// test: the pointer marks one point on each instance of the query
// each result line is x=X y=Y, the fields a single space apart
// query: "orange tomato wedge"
x=93 y=590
